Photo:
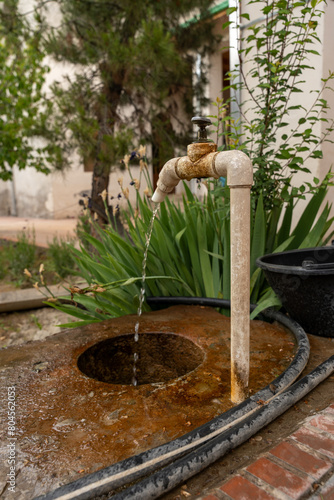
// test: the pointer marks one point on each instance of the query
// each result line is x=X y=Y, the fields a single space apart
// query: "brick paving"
x=300 y=467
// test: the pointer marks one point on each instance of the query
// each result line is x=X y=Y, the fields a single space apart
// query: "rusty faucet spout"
x=234 y=165
x=203 y=161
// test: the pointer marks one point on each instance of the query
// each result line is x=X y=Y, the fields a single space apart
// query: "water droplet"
x=136 y=356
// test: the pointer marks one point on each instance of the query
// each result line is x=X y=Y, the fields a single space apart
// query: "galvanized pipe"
x=204 y=161
x=240 y=292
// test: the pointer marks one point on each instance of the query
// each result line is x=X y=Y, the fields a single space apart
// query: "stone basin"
x=71 y=421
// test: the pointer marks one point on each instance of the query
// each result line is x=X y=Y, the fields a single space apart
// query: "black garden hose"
x=130 y=469
x=176 y=473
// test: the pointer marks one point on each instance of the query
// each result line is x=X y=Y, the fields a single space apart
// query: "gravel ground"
x=35 y=324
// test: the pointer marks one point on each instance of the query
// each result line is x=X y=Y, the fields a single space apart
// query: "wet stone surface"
x=69 y=424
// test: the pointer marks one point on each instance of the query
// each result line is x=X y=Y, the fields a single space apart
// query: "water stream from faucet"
x=142 y=294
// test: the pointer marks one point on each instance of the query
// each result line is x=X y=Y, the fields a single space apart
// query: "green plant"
x=23 y=263
x=280 y=133
x=36 y=321
x=61 y=257
x=24 y=108
x=3 y=267
x=22 y=255
x=189 y=254
x=190 y=247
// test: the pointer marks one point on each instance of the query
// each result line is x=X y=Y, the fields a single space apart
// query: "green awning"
x=212 y=11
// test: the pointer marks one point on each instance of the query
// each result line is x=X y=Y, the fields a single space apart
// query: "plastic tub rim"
x=294 y=270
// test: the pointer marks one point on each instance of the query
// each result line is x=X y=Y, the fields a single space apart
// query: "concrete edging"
x=29 y=298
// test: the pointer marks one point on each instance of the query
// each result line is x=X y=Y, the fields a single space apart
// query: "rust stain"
x=198 y=150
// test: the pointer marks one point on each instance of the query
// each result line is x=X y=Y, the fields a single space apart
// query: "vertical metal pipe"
x=240 y=292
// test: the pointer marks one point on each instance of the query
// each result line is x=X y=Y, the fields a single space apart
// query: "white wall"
x=5 y=199
x=328 y=66
x=67 y=188
x=33 y=193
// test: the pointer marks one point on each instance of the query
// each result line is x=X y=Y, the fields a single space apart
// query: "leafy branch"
x=279 y=135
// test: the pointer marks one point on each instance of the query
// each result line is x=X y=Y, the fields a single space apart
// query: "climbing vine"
x=280 y=131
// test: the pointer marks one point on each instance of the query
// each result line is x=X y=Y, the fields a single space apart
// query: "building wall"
x=29 y=194
x=71 y=186
x=328 y=66
x=5 y=198
x=32 y=194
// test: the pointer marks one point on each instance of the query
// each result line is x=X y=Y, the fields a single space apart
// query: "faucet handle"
x=202 y=122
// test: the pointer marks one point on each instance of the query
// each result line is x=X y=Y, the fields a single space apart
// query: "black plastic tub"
x=304 y=282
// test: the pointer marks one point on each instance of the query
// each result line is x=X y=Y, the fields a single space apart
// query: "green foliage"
x=24 y=264
x=36 y=321
x=190 y=246
x=21 y=256
x=62 y=260
x=189 y=254
x=279 y=132
x=24 y=109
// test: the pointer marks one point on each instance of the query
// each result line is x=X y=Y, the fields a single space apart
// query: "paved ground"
x=299 y=465
x=45 y=229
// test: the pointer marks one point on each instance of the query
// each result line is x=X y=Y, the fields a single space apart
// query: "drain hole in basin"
x=162 y=357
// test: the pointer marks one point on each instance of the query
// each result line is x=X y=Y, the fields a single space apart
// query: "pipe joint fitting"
x=236 y=166
x=202 y=168
x=203 y=161
x=197 y=150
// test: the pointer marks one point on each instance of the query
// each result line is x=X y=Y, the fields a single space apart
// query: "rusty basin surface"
x=69 y=424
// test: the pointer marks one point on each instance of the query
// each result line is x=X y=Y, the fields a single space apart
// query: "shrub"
x=62 y=260
x=22 y=256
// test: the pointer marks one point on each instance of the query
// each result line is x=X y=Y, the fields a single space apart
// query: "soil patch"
x=36 y=324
